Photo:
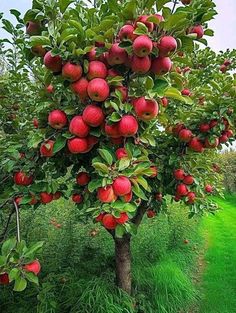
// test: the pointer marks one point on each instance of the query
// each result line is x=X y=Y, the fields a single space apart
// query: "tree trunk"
x=123 y=263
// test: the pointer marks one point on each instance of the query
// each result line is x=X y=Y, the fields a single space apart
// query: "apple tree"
x=127 y=110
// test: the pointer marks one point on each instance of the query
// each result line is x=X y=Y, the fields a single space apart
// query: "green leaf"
x=17 y=15
x=7 y=25
x=130 y=207
x=8 y=246
x=149 y=83
x=123 y=163
x=3 y=260
x=14 y=274
x=101 y=167
x=174 y=93
x=63 y=4
x=106 y=155
x=20 y=284
x=129 y=11
x=119 y=231
x=209 y=32
x=34 y=248
x=32 y=277
x=141 y=29
x=59 y=144
x=139 y=192
x=39 y=40
x=160 y=86
x=142 y=181
x=160 y=4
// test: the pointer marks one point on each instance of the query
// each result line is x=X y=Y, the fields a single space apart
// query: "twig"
x=17 y=221
x=2 y=236
x=175 y=2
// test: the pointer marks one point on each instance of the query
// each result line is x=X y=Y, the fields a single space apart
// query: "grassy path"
x=219 y=277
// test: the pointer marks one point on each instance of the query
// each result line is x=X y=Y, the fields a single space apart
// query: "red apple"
x=204 y=128
x=128 y=126
x=223 y=138
x=164 y=102
x=93 y=115
x=227 y=62
x=33 y=267
x=124 y=92
x=123 y=218
x=109 y=221
x=127 y=33
x=179 y=174
x=213 y=123
x=96 y=69
x=72 y=71
x=140 y=65
x=98 y=89
x=196 y=145
x=4 y=279
x=117 y=55
x=20 y=178
x=112 y=72
x=112 y=130
x=50 y=89
x=53 y=63
x=18 y=200
x=142 y=46
x=158 y=196
x=106 y=194
x=77 y=145
x=208 y=188
x=191 y=197
x=229 y=133
x=82 y=179
x=117 y=141
x=121 y=153
x=186 y=92
x=46 y=197
x=144 y=19
x=56 y=195
x=223 y=68
x=57 y=119
x=100 y=217
x=80 y=88
x=177 y=128
x=145 y=109
x=39 y=51
x=33 y=28
x=46 y=148
x=181 y=190
x=77 y=198
x=212 y=145
x=188 y=180
x=198 y=30
x=167 y=45
x=185 y=2
x=121 y=186
x=161 y=65
x=154 y=171
x=128 y=197
x=151 y=213
x=36 y=123
x=78 y=127
x=185 y=135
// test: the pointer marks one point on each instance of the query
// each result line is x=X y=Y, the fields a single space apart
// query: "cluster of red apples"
x=33 y=267
x=225 y=66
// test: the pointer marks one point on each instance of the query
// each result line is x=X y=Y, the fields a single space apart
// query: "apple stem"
x=17 y=221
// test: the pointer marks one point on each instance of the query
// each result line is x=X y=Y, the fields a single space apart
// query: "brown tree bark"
x=123 y=263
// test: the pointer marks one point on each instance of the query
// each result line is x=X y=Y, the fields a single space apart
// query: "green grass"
x=219 y=277
x=78 y=270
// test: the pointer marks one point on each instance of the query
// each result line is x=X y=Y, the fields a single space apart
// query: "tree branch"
x=17 y=221
x=2 y=236
x=175 y=2
x=137 y=219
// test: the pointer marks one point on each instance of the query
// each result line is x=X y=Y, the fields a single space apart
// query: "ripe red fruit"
x=191 y=197
x=164 y=102
x=158 y=196
x=80 y=88
x=93 y=115
x=117 y=141
x=151 y=213
x=46 y=197
x=18 y=200
x=208 y=188
x=229 y=133
x=188 y=180
x=78 y=127
x=128 y=126
x=145 y=109
x=53 y=63
x=82 y=178
x=159 y=17
x=46 y=148
x=117 y=55
x=144 y=19
x=33 y=200
x=177 y=198
x=36 y=123
x=204 y=128
x=223 y=138
x=98 y=89
x=198 y=30
x=33 y=267
x=186 y=92
x=211 y=145
x=177 y=128
x=196 y=145
x=57 y=119
x=154 y=171
x=140 y=65
x=109 y=221
x=56 y=195
x=39 y=51
x=112 y=73
x=127 y=198
x=223 y=68
x=142 y=46
x=72 y=71
x=4 y=279
x=185 y=2
x=96 y=69
x=181 y=190
x=213 y=123
x=123 y=218
x=92 y=55
x=227 y=62
x=100 y=217
x=50 y=89
x=20 y=178
x=179 y=174
x=33 y=28
x=121 y=186
x=106 y=194
x=124 y=92
x=112 y=130
x=161 y=65
x=77 y=145
x=185 y=135
x=167 y=45
x=127 y=33
x=121 y=153
x=77 y=198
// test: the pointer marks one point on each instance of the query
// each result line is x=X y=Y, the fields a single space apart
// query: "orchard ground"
x=77 y=273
